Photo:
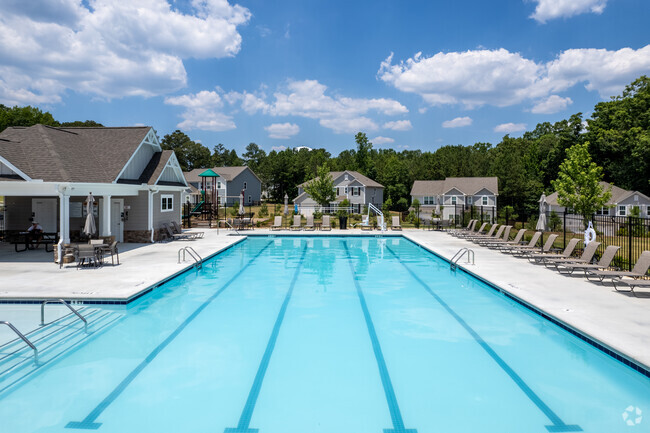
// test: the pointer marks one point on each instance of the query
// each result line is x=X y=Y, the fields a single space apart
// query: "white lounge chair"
x=277 y=223
x=326 y=223
x=395 y=225
x=296 y=223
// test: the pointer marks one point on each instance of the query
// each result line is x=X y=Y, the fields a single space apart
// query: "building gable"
x=140 y=158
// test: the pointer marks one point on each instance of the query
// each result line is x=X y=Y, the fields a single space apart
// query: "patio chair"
x=395 y=224
x=631 y=284
x=112 y=250
x=179 y=231
x=365 y=223
x=469 y=228
x=501 y=236
x=326 y=223
x=176 y=236
x=467 y=234
x=489 y=234
x=296 y=223
x=277 y=223
x=638 y=271
x=604 y=262
x=517 y=250
x=86 y=255
x=310 y=223
x=513 y=243
x=540 y=257
x=587 y=255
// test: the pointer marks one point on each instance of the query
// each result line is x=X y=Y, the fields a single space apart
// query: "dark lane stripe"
x=89 y=422
x=391 y=399
x=249 y=407
x=558 y=424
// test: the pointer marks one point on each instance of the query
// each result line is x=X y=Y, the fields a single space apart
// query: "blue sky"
x=411 y=74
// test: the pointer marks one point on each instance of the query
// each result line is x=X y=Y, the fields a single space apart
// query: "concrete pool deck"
x=619 y=321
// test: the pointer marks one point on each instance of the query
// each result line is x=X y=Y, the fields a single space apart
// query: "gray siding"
x=253 y=187
x=138 y=212
x=160 y=217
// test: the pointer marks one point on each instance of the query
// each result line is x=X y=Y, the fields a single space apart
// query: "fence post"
x=629 y=243
x=564 y=228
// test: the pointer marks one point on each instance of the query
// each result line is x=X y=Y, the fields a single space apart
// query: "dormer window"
x=346 y=177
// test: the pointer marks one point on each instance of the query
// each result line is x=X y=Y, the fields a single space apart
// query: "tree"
x=190 y=154
x=24 y=116
x=362 y=157
x=321 y=188
x=253 y=156
x=80 y=124
x=578 y=183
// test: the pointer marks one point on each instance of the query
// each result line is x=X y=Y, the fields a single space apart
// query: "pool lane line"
x=243 y=426
x=558 y=424
x=88 y=422
x=391 y=399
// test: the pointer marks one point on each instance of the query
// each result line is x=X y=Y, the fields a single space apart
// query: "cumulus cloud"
x=551 y=105
x=309 y=99
x=203 y=111
x=551 y=9
x=510 y=127
x=399 y=125
x=109 y=49
x=501 y=78
x=382 y=140
x=458 y=122
x=282 y=130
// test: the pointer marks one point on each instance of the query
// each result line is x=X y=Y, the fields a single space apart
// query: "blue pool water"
x=335 y=335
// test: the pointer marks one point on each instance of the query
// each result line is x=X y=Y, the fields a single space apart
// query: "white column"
x=64 y=221
x=106 y=216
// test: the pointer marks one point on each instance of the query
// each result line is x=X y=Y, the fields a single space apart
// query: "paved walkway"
x=619 y=321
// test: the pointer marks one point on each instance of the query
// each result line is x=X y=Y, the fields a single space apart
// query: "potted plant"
x=342 y=213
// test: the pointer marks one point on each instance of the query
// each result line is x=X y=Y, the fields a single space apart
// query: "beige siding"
x=138 y=212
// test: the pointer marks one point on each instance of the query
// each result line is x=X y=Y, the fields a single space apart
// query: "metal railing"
x=453 y=264
x=61 y=301
x=198 y=261
x=22 y=337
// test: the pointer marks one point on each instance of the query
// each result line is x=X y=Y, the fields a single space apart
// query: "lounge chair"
x=513 y=243
x=176 y=236
x=470 y=227
x=502 y=235
x=518 y=250
x=176 y=228
x=631 y=284
x=540 y=257
x=326 y=223
x=365 y=223
x=546 y=248
x=395 y=225
x=310 y=223
x=296 y=223
x=604 y=262
x=587 y=255
x=467 y=234
x=277 y=223
x=487 y=235
x=638 y=271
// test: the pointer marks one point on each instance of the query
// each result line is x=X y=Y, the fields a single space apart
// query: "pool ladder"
x=61 y=301
x=198 y=261
x=453 y=264
x=22 y=337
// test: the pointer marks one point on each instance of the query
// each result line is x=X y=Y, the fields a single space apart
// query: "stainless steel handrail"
x=61 y=301
x=198 y=261
x=22 y=337
x=232 y=227
x=453 y=264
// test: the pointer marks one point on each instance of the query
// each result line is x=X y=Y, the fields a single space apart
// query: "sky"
x=411 y=74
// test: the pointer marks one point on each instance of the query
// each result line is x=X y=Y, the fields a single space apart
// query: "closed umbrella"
x=286 y=204
x=89 y=227
x=241 y=203
x=541 y=221
x=438 y=205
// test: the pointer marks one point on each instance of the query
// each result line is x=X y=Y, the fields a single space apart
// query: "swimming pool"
x=327 y=334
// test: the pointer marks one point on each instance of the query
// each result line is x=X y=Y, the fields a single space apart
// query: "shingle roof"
x=153 y=170
x=618 y=195
x=227 y=173
x=366 y=181
x=70 y=154
x=466 y=185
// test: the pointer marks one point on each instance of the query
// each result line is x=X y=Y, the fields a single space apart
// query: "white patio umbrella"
x=241 y=203
x=541 y=221
x=286 y=204
x=438 y=205
x=89 y=227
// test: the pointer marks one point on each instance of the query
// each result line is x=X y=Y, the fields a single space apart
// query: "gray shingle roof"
x=95 y=155
x=467 y=185
x=366 y=181
x=227 y=173
x=618 y=195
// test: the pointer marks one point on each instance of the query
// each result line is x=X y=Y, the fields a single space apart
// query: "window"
x=453 y=200
x=250 y=199
x=602 y=211
x=355 y=190
x=470 y=199
x=346 y=177
x=484 y=201
x=345 y=190
x=244 y=185
x=219 y=185
x=166 y=203
x=428 y=200
x=622 y=210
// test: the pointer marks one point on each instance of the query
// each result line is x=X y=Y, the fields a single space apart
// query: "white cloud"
x=399 y=125
x=458 y=122
x=501 y=78
x=551 y=9
x=510 y=127
x=551 y=105
x=382 y=140
x=308 y=99
x=278 y=148
x=282 y=130
x=109 y=49
x=203 y=111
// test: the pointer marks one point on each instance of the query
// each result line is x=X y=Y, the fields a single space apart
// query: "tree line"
x=617 y=137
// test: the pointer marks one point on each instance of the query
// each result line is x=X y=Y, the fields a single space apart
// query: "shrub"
x=264 y=210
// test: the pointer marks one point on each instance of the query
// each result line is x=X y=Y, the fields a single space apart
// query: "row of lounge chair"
x=176 y=232
x=498 y=237
x=326 y=224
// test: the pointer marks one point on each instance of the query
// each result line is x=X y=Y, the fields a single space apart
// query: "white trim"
x=15 y=169
x=173 y=163
x=144 y=141
x=164 y=197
